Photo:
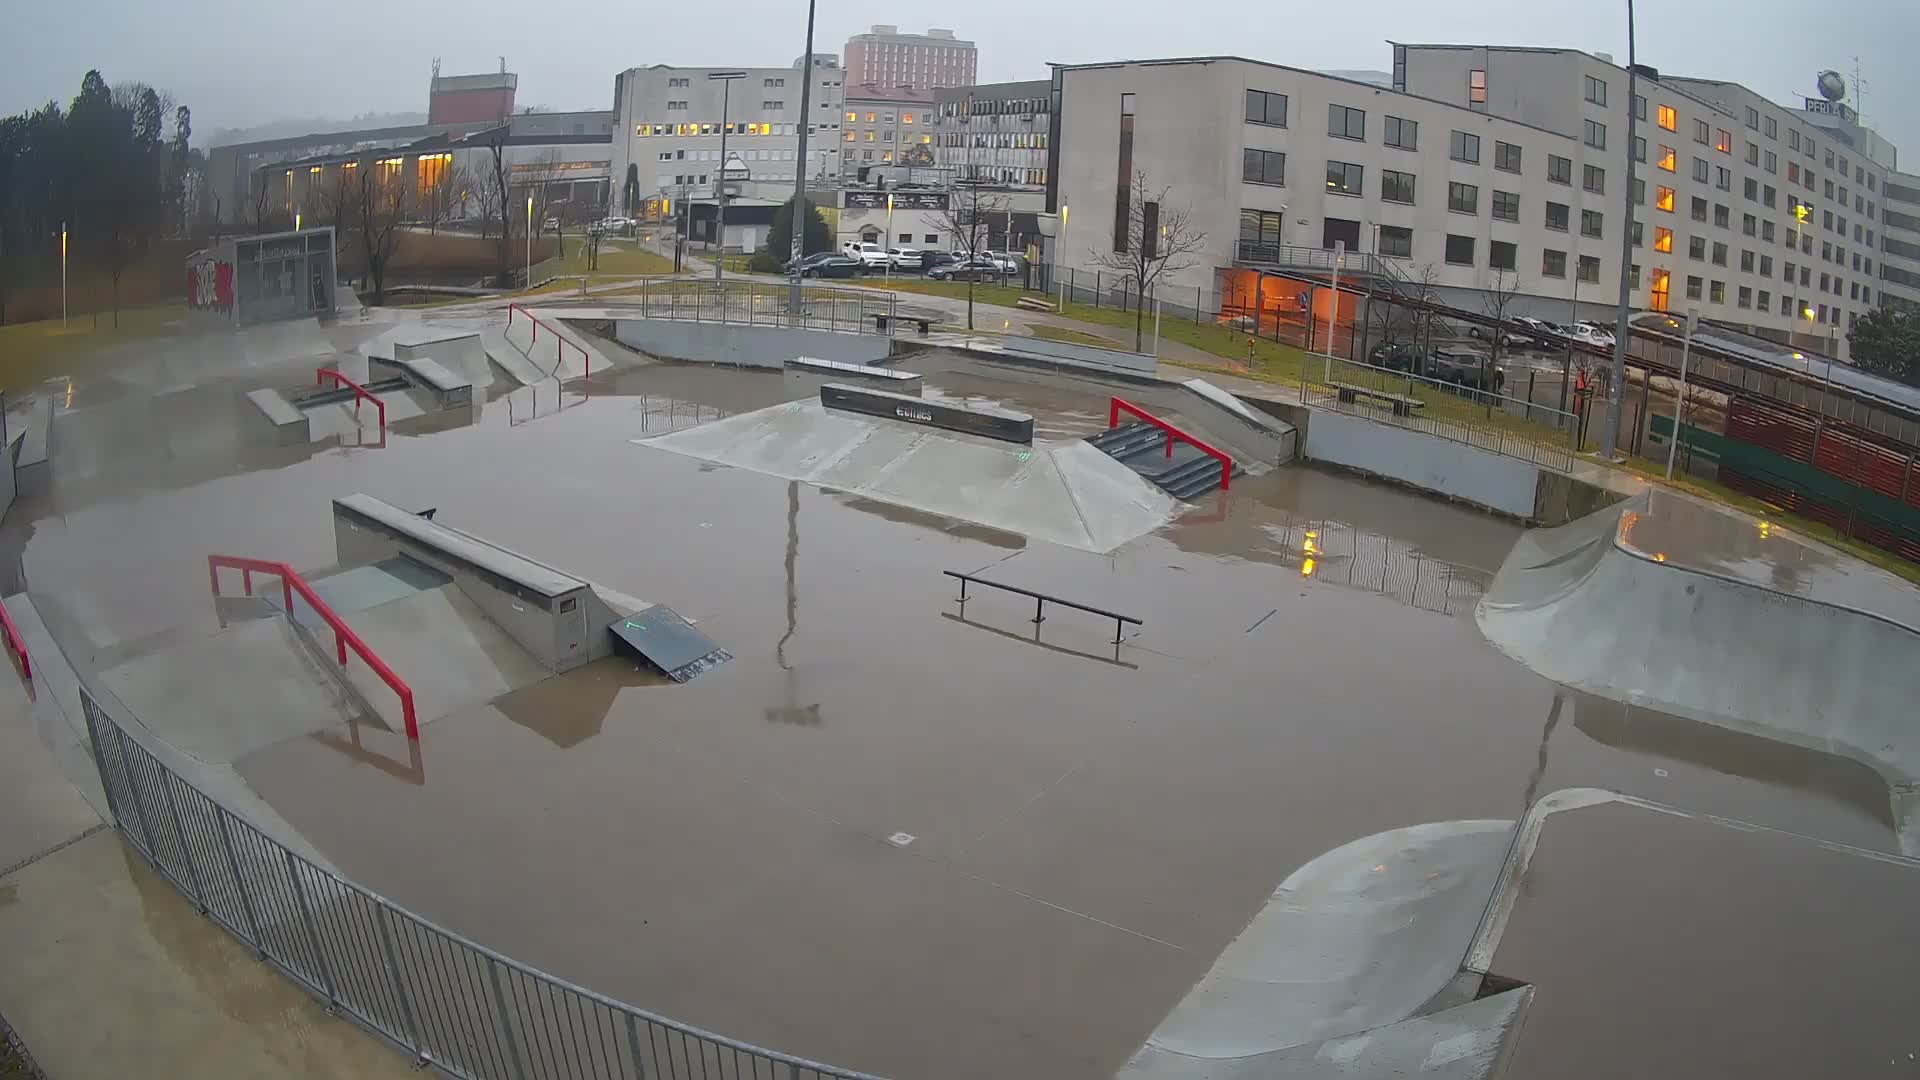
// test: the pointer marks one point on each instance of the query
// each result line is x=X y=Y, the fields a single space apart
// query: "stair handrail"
x=560 y=342
x=343 y=636
x=16 y=643
x=1116 y=406
x=321 y=375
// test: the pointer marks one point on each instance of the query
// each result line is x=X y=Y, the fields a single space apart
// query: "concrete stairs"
x=1186 y=474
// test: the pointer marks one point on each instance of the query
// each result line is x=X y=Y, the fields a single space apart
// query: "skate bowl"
x=1670 y=605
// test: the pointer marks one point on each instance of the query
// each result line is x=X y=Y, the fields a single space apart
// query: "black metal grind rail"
x=1041 y=600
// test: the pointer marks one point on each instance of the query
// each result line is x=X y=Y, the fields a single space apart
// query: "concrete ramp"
x=1063 y=492
x=511 y=359
x=1359 y=938
x=1650 y=602
x=451 y=654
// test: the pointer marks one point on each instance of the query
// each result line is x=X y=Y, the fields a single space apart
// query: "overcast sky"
x=243 y=62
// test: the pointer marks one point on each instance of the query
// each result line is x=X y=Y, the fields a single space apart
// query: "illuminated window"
x=1662 y=239
x=869 y=118
x=850 y=136
x=869 y=136
x=851 y=117
x=1477 y=86
x=1723 y=140
x=1658 y=298
x=906 y=118
x=1670 y=120
x=1668 y=159
x=1663 y=199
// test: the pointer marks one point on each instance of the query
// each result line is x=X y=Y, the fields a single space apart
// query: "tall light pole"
x=889 y=273
x=1680 y=399
x=725 y=79
x=63 y=275
x=795 y=301
x=1610 y=438
x=529 y=238
x=1060 y=254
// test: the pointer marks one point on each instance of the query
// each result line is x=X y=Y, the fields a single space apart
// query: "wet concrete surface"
x=1736 y=952
x=1089 y=826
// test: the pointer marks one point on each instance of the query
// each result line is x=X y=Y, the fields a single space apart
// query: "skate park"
x=1299 y=773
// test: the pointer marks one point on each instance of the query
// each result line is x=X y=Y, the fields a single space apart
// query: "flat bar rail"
x=560 y=343
x=1116 y=406
x=343 y=636
x=1041 y=600
x=323 y=375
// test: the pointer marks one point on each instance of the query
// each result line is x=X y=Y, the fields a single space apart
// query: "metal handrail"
x=16 y=644
x=321 y=376
x=1040 y=600
x=586 y=362
x=343 y=635
x=1116 y=406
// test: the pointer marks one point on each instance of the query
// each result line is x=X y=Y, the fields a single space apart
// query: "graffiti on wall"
x=210 y=284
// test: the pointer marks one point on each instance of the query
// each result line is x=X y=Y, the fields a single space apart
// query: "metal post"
x=795 y=302
x=720 y=178
x=399 y=982
x=1686 y=346
x=633 y=1046
x=313 y=936
x=1333 y=304
x=240 y=884
x=1640 y=414
x=186 y=851
x=1156 y=324
x=1621 y=328
x=493 y=966
x=1037 y=605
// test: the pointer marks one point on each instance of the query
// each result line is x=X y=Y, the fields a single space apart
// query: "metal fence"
x=1451 y=411
x=1341 y=554
x=756 y=303
x=455 y=1005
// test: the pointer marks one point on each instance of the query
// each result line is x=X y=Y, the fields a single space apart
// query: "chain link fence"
x=453 y=1004
x=1454 y=410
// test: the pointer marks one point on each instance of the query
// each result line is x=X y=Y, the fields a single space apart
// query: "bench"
x=881 y=319
x=1348 y=393
x=1034 y=303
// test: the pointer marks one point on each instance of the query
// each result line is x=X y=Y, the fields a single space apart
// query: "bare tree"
x=970 y=208
x=440 y=198
x=1498 y=296
x=1159 y=238
x=384 y=201
x=542 y=177
x=495 y=186
x=337 y=202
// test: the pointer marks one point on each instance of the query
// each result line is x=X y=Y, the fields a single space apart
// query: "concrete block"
x=1002 y=424
x=287 y=423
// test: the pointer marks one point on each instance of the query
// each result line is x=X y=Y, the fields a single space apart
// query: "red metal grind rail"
x=559 y=343
x=321 y=376
x=343 y=636
x=15 y=643
x=1117 y=406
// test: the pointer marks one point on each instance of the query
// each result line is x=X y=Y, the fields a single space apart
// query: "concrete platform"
x=1064 y=492
x=449 y=652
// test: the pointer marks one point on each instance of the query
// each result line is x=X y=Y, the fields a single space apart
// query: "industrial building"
x=884 y=56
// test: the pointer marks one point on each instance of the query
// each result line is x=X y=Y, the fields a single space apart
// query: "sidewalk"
x=106 y=971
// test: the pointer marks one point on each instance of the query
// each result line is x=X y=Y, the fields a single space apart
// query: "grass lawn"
x=1076 y=337
x=28 y=350
x=617 y=259
x=983 y=293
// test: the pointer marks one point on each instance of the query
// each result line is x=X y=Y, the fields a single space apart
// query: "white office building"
x=1484 y=169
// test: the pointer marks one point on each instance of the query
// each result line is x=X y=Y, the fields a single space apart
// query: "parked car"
x=907 y=258
x=1591 y=334
x=932 y=259
x=975 y=269
x=1443 y=365
x=873 y=256
x=829 y=264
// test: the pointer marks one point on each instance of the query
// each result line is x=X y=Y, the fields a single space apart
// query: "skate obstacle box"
x=992 y=423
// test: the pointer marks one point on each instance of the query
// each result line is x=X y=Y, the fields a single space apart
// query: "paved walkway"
x=106 y=971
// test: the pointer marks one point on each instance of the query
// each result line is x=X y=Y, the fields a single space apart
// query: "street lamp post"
x=1679 y=400
x=529 y=239
x=725 y=79
x=795 y=301
x=1060 y=254
x=63 y=275
x=1622 y=329
x=889 y=270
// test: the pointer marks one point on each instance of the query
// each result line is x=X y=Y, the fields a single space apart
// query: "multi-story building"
x=996 y=132
x=1900 y=237
x=884 y=56
x=471 y=99
x=884 y=126
x=669 y=125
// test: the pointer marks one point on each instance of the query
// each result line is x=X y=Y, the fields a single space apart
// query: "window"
x=1639 y=190
x=1502 y=255
x=1699 y=209
x=1260 y=226
x=1793 y=139
x=1595 y=134
x=1765 y=300
x=1506 y=156
x=1829 y=162
x=1589 y=268
x=1633 y=274
x=1669 y=120
x=1719 y=254
x=1668 y=158
x=1753 y=154
x=1403 y=134
x=1553 y=263
x=1702 y=131
x=1463 y=198
x=1639 y=107
x=1786 y=273
x=1697 y=248
x=1590 y=222
x=1639 y=148
x=1723 y=178
x=1773 y=132
x=1753 y=118
x=1594 y=178
x=1459 y=250
x=1700 y=170
x=1768 y=196
x=1596 y=90
x=1786 y=305
x=1557 y=216
x=1663 y=199
x=1723 y=140
x=1657 y=289
x=1749 y=225
x=1716 y=292
x=1345 y=123
x=1265 y=108
x=1559 y=169
x=1639 y=234
x=1766 y=266
x=1773 y=162
x=1396 y=186
x=1746 y=261
x=1476 y=94
x=1464 y=147
x=1721 y=215
x=931 y=238
x=1695 y=286
x=1263 y=167
x=1345 y=179
x=1396 y=240
x=1506 y=206
x=1662 y=238
x=1750 y=189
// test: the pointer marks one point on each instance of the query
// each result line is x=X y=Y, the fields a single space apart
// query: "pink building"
x=886 y=57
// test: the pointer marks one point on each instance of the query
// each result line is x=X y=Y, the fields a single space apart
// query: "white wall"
x=1428 y=462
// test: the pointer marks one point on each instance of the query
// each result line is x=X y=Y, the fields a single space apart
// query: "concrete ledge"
x=289 y=424
x=37 y=440
x=747 y=345
x=448 y=390
x=993 y=423
x=899 y=382
x=1084 y=354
